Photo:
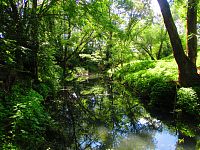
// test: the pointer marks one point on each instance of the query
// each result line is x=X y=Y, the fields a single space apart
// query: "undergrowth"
x=155 y=83
x=23 y=119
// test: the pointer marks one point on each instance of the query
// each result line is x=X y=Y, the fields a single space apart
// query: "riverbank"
x=154 y=83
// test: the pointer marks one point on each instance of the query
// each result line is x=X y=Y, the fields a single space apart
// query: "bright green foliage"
x=62 y=40
x=188 y=100
x=49 y=71
x=132 y=68
x=154 y=81
x=143 y=75
x=185 y=129
x=9 y=146
x=26 y=119
x=153 y=42
x=151 y=81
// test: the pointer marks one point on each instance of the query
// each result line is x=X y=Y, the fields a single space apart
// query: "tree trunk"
x=160 y=49
x=148 y=51
x=66 y=47
x=187 y=70
x=34 y=42
x=192 y=30
x=162 y=39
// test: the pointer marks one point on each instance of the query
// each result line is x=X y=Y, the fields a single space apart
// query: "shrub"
x=151 y=81
x=163 y=69
x=143 y=80
x=133 y=67
x=28 y=120
x=188 y=100
x=9 y=146
x=26 y=117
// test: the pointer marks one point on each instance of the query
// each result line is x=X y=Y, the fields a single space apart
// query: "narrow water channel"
x=102 y=114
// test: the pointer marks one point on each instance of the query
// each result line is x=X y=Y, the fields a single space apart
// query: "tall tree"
x=187 y=69
x=192 y=30
x=20 y=22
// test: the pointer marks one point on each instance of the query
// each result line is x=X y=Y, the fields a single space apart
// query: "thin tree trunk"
x=161 y=44
x=17 y=33
x=187 y=70
x=35 y=42
x=66 y=47
x=148 y=52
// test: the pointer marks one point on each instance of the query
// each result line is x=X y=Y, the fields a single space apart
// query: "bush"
x=162 y=69
x=188 y=100
x=151 y=81
x=9 y=146
x=142 y=76
x=133 y=67
x=26 y=118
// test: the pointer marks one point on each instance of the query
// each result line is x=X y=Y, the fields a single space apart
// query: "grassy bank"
x=155 y=84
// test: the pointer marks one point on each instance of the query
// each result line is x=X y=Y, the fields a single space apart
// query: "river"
x=103 y=114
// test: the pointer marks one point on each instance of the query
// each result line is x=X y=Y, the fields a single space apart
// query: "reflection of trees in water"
x=102 y=115
x=138 y=142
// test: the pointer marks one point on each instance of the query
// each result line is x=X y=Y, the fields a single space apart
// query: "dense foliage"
x=155 y=82
x=50 y=51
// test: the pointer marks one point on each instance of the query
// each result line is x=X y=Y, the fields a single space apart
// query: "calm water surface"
x=107 y=116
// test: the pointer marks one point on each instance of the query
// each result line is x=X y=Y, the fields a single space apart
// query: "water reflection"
x=102 y=114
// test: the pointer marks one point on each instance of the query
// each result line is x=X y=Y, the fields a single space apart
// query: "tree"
x=188 y=75
x=20 y=22
x=153 y=42
x=192 y=30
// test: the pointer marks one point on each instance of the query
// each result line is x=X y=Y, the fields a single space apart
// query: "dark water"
x=103 y=114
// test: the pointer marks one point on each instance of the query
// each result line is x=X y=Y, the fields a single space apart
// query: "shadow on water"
x=100 y=113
